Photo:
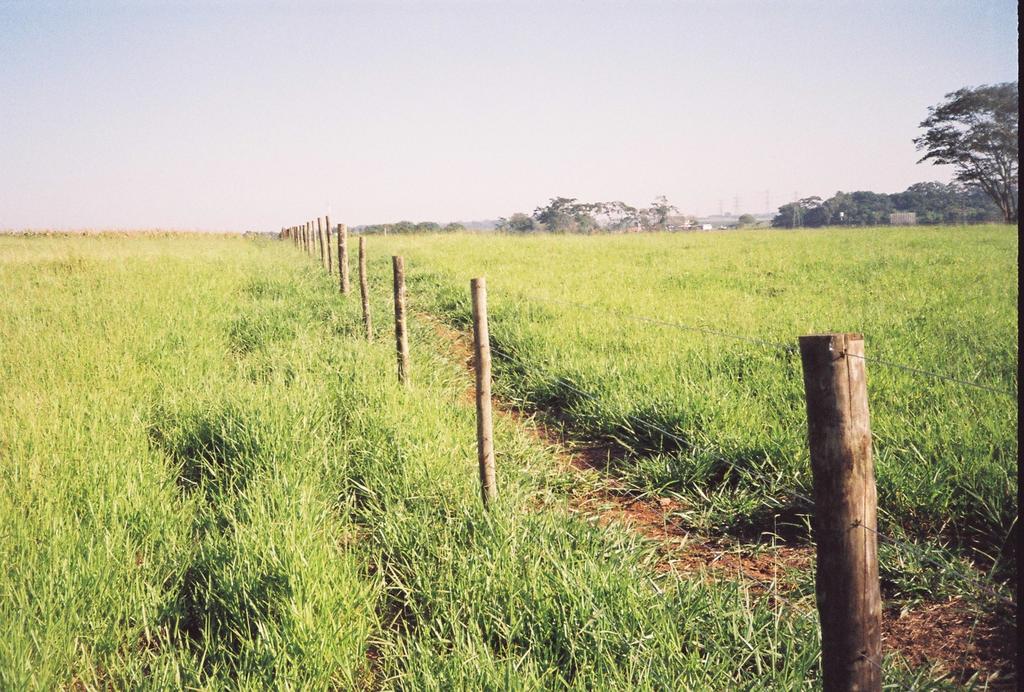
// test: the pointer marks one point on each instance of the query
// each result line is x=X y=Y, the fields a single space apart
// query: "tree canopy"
x=976 y=131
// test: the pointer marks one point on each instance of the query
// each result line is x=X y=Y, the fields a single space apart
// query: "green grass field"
x=210 y=480
x=938 y=299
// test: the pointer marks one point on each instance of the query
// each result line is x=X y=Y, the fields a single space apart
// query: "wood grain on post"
x=845 y=509
x=482 y=362
x=364 y=289
x=401 y=338
x=343 y=281
x=327 y=232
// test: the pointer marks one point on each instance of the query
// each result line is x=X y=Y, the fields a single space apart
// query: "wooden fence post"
x=401 y=338
x=845 y=510
x=364 y=288
x=343 y=282
x=327 y=233
x=482 y=362
x=320 y=238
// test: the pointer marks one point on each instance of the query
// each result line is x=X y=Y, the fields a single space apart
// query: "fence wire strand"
x=982 y=582
x=773 y=345
x=929 y=373
x=657 y=428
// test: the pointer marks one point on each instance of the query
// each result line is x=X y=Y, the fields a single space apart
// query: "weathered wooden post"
x=401 y=338
x=845 y=508
x=343 y=281
x=364 y=288
x=482 y=361
x=327 y=231
x=320 y=238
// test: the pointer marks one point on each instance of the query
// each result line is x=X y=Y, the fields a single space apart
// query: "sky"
x=254 y=116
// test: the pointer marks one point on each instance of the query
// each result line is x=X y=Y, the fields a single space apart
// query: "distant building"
x=903 y=218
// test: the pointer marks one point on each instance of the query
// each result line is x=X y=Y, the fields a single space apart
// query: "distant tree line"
x=975 y=130
x=410 y=227
x=569 y=215
x=933 y=203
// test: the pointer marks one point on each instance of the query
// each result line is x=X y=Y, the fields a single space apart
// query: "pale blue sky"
x=256 y=115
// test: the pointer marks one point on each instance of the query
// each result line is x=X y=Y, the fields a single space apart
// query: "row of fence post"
x=303 y=237
x=839 y=435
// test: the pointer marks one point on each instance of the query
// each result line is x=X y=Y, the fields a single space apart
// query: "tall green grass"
x=936 y=299
x=169 y=490
x=211 y=481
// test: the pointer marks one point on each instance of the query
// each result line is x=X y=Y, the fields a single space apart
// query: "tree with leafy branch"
x=976 y=131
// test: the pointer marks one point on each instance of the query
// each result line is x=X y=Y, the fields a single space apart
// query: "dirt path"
x=949 y=636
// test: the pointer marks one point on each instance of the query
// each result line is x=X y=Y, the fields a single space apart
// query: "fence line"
x=847 y=576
